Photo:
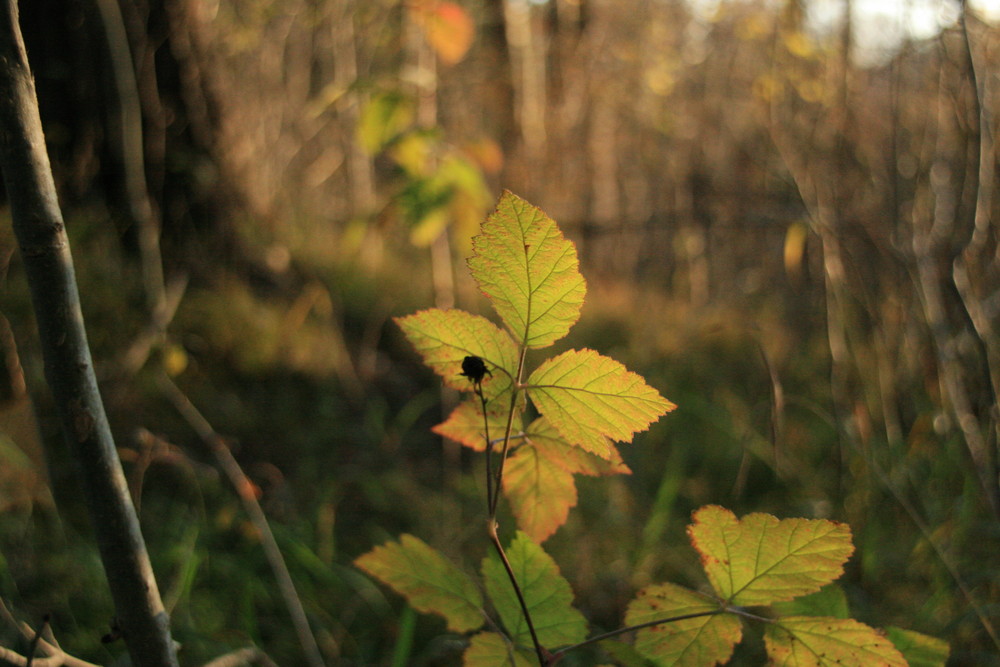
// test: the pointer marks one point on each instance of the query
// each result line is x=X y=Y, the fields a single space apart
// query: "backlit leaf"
x=428 y=581
x=760 y=559
x=384 y=119
x=448 y=28
x=547 y=440
x=488 y=649
x=700 y=641
x=919 y=650
x=590 y=398
x=465 y=423
x=540 y=492
x=445 y=337
x=808 y=641
x=546 y=593
x=529 y=271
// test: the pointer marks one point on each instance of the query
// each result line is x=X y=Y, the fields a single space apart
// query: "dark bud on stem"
x=475 y=369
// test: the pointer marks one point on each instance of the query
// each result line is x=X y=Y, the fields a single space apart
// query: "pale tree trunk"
x=38 y=226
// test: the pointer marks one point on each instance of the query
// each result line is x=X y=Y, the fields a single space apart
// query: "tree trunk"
x=38 y=225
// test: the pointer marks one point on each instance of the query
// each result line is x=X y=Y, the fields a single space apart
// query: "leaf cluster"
x=760 y=569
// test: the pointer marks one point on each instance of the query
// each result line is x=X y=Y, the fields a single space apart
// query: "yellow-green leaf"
x=808 y=641
x=760 y=559
x=465 y=423
x=445 y=337
x=383 y=119
x=540 y=492
x=529 y=271
x=546 y=593
x=428 y=581
x=553 y=446
x=590 y=398
x=701 y=641
x=488 y=649
x=828 y=601
x=920 y=650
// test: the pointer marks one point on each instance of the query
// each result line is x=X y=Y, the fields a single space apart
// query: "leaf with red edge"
x=444 y=338
x=810 y=641
x=759 y=559
x=465 y=424
x=539 y=490
x=428 y=581
x=590 y=398
x=529 y=272
x=553 y=446
x=695 y=642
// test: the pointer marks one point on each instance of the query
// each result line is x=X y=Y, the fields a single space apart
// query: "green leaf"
x=547 y=440
x=465 y=423
x=808 y=641
x=445 y=337
x=546 y=593
x=919 y=650
x=488 y=649
x=529 y=271
x=704 y=640
x=428 y=581
x=384 y=118
x=625 y=655
x=760 y=560
x=539 y=490
x=828 y=601
x=590 y=398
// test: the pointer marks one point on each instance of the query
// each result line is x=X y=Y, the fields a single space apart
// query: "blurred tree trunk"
x=40 y=232
x=345 y=64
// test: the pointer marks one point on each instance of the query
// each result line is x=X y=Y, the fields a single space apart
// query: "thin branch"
x=244 y=489
x=632 y=628
x=544 y=657
x=69 y=371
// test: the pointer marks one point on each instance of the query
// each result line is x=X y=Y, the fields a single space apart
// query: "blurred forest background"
x=789 y=232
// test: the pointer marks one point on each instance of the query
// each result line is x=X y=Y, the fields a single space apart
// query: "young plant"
x=587 y=403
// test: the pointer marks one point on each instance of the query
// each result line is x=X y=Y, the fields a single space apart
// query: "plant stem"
x=517 y=387
x=639 y=626
x=489 y=448
x=543 y=658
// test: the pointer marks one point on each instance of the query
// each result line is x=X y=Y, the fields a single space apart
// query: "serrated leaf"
x=488 y=649
x=428 y=581
x=540 y=492
x=529 y=271
x=547 y=440
x=918 y=649
x=445 y=337
x=465 y=424
x=546 y=593
x=704 y=640
x=759 y=560
x=808 y=641
x=828 y=601
x=590 y=398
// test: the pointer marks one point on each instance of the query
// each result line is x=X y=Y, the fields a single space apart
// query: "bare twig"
x=244 y=488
